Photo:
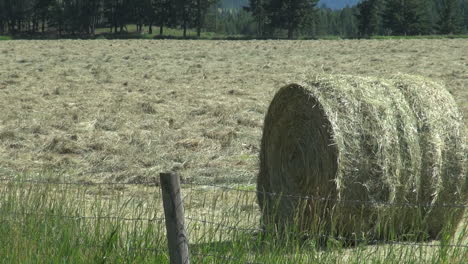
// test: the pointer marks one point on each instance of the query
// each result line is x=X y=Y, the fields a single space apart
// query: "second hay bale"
x=358 y=145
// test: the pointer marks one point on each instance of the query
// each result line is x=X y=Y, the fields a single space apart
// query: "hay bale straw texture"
x=364 y=149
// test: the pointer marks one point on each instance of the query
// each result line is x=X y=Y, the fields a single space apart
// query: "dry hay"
x=101 y=110
x=385 y=143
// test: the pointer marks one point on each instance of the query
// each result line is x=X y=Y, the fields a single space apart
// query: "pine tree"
x=282 y=14
x=450 y=17
x=369 y=17
x=164 y=11
x=465 y=14
x=258 y=8
x=42 y=11
x=137 y=10
x=201 y=7
x=112 y=12
x=406 y=17
x=290 y=14
x=347 y=20
x=321 y=22
x=3 y=16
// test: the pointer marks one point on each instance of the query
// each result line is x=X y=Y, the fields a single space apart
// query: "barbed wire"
x=223 y=225
x=223 y=257
x=154 y=219
x=324 y=199
x=282 y=195
x=22 y=172
x=44 y=180
x=80 y=183
x=226 y=225
x=152 y=249
x=154 y=182
x=442 y=245
x=80 y=217
x=338 y=238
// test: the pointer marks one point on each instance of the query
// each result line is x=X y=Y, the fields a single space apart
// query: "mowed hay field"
x=122 y=111
x=125 y=110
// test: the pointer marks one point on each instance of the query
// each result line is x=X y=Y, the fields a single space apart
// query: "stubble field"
x=123 y=111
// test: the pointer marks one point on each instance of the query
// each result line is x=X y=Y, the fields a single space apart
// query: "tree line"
x=82 y=17
x=367 y=18
x=261 y=18
x=412 y=17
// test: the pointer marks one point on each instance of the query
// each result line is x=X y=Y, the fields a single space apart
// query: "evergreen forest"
x=290 y=19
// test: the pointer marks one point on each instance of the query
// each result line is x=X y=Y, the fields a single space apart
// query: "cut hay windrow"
x=380 y=158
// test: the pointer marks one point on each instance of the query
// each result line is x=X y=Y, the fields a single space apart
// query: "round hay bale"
x=376 y=158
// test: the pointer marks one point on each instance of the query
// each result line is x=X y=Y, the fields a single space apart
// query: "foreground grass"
x=50 y=223
x=57 y=224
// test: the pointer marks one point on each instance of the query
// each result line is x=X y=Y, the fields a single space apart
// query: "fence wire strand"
x=81 y=217
x=223 y=225
x=282 y=195
x=79 y=183
x=325 y=199
x=338 y=238
x=204 y=256
x=232 y=227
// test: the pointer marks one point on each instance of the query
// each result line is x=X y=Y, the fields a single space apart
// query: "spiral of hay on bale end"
x=363 y=148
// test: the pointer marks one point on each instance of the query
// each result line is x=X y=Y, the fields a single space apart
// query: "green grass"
x=321 y=37
x=421 y=37
x=168 y=32
x=130 y=32
x=191 y=33
x=109 y=224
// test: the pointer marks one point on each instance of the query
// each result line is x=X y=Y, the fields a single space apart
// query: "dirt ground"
x=125 y=110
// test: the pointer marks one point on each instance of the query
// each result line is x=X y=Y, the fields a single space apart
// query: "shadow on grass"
x=261 y=243
x=253 y=249
x=136 y=35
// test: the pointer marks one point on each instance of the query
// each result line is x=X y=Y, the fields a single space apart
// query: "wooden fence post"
x=174 y=212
